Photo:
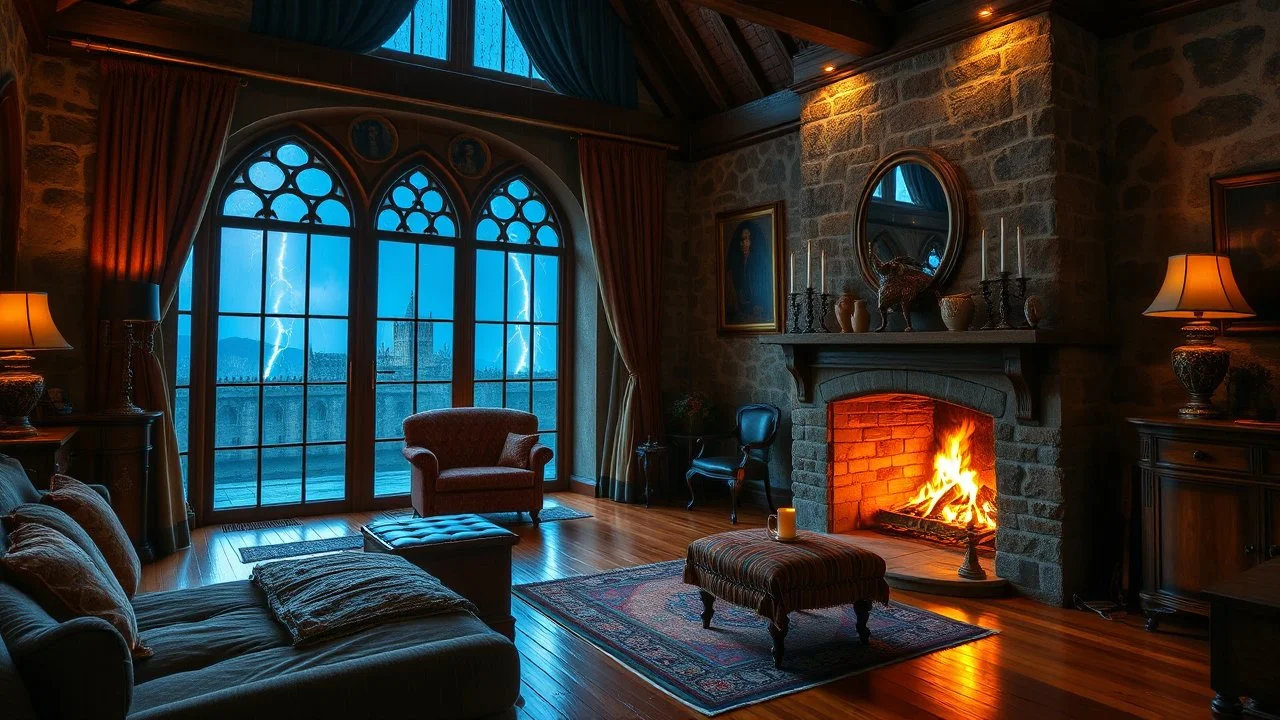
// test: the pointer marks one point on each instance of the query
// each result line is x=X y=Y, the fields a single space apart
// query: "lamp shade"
x=130 y=300
x=1200 y=286
x=25 y=323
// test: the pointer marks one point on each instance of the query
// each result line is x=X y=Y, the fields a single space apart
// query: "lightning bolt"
x=280 y=285
x=522 y=281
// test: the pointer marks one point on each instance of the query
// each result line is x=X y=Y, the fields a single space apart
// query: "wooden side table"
x=1243 y=635
x=42 y=455
x=115 y=450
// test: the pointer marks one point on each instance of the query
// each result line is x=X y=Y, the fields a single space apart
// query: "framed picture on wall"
x=1246 y=228
x=373 y=137
x=749 y=269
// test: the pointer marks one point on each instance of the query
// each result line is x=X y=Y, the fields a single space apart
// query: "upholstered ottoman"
x=467 y=553
x=750 y=569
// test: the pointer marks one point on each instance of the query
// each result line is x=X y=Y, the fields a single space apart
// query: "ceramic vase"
x=861 y=316
x=957 y=311
x=844 y=311
x=1033 y=308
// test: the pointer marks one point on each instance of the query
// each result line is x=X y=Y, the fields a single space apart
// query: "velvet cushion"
x=61 y=577
x=515 y=452
x=92 y=512
x=483 y=478
x=54 y=519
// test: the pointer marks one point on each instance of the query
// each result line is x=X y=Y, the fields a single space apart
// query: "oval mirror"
x=912 y=209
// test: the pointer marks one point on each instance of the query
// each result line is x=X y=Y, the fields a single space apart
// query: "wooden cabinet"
x=42 y=455
x=1210 y=507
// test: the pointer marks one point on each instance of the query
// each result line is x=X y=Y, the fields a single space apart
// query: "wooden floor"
x=1045 y=663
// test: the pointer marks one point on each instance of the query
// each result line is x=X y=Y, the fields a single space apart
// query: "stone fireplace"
x=874 y=411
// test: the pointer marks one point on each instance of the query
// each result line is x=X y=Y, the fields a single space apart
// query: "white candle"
x=1020 y=252
x=1002 y=244
x=823 y=271
x=808 y=266
x=984 y=253
x=793 y=272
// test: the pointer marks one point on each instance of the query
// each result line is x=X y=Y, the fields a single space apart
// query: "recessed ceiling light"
x=986 y=12
x=828 y=68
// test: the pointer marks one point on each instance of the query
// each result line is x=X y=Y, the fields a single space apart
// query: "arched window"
x=517 y=310
x=283 y=251
x=328 y=323
x=417 y=231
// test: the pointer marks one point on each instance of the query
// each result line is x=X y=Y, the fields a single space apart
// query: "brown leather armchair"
x=454 y=453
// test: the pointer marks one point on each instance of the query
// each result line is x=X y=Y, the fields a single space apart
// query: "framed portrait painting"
x=749 y=269
x=1246 y=228
x=373 y=137
x=469 y=156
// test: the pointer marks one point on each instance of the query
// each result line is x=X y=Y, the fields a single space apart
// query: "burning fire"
x=955 y=495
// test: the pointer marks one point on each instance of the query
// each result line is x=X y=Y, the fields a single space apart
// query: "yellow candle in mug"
x=783 y=525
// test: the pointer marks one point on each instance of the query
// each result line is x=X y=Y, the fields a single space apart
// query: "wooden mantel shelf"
x=1017 y=354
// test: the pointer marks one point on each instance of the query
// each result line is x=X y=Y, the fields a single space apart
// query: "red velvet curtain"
x=161 y=134
x=623 y=186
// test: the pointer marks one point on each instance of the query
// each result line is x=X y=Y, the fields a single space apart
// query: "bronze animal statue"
x=902 y=279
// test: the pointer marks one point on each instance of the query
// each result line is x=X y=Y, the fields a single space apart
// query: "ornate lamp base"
x=1200 y=366
x=20 y=390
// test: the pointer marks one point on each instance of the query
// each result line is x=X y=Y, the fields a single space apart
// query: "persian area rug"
x=258 y=553
x=648 y=620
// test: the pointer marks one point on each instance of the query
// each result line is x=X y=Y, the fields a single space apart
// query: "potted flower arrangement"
x=691 y=412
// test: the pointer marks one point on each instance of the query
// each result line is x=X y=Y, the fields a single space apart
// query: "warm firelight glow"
x=955 y=495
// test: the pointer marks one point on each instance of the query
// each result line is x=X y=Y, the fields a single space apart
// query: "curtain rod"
x=94 y=46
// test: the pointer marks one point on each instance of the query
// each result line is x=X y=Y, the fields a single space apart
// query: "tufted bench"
x=469 y=554
x=752 y=570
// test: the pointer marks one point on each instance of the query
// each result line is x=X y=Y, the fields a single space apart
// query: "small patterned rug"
x=261 y=525
x=648 y=620
x=258 y=553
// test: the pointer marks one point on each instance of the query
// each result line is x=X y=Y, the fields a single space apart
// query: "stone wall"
x=1186 y=100
x=1016 y=109
x=61 y=139
x=733 y=369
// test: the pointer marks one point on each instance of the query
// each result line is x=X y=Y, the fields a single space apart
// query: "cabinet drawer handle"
x=1250 y=549
x=1200 y=455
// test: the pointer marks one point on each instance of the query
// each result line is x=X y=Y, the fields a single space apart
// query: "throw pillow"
x=54 y=519
x=515 y=453
x=92 y=512
x=61 y=577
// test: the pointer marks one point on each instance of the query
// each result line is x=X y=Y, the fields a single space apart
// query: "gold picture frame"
x=749 y=270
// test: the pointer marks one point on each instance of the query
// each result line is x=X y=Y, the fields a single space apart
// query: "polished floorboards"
x=1046 y=662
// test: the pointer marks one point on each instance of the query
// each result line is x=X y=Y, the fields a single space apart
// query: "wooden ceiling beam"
x=757 y=79
x=678 y=69
x=101 y=28
x=782 y=50
x=839 y=24
x=695 y=50
x=654 y=74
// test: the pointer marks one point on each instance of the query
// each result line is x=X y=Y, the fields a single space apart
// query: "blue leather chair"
x=756 y=430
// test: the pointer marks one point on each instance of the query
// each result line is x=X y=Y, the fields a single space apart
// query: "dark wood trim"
x=757 y=80
x=842 y=25
x=35 y=16
x=764 y=119
x=582 y=485
x=101 y=28
x=696 y=51
x=11 y=150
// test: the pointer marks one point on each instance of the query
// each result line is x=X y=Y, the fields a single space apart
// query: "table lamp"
x=1200 y=287
x=132 y=304
x=25 y=324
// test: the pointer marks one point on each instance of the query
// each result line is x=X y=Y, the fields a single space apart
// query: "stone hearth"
x=1043 y=444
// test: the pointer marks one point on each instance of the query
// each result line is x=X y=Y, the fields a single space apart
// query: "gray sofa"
x=220 y=654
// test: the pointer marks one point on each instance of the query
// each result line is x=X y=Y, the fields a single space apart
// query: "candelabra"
x=812 y=315
x=998 y=317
